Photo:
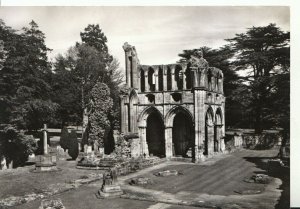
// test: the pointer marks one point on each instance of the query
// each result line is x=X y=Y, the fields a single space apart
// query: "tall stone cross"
x=45 y=139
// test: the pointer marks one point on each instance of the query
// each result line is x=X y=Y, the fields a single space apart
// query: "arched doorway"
x=209 y=133
x=183 y=135
x=155 y=135
x=218 y=129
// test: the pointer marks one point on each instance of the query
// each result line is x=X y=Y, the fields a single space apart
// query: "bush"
x=16 y=146
x=73 y=145
x=64 y=138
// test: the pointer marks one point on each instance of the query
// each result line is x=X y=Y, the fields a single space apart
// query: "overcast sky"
x=159 y=33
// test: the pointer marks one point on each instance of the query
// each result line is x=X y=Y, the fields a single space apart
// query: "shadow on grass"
x=280 y=172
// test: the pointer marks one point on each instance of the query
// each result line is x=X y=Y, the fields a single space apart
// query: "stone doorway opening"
x=155 y=135
x=183 y=136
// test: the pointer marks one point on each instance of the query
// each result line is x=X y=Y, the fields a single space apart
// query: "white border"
x=295 y=57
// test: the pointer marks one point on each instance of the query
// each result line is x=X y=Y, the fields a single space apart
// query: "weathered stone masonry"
x=176 y=109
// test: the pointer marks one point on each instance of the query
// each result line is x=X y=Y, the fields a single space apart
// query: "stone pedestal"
x=110 y=191
x=110 y=187
x=45 y=163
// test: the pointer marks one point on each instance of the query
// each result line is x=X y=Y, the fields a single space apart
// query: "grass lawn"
x=222 y=178
x=21 y=181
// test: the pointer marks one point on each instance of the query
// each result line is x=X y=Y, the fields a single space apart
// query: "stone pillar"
x=174 y=84
x=221 y=85
x=156 y=78
x=183 y=76
x=144 y=145
x=168 y=142
x=122 y=110
x=45 y=139
x=165 y=79
x=195 y=77
x=146 y=81
x=125 y=114
x=135 y=79
x=128 y=68
x=199 y=112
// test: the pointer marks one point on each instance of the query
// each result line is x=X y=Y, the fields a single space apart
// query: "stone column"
x=146 y=81
x=183 y=76
x=156 y=78
x=174 y=84
x=165 y=79
x=125 y=114
x=45 y=139
x=168 y=142
x=128 y=68
x=122 y=110
x=221 y=85
x=144 y=146
x=199 y=112
x=135 y=79
x=195 y=76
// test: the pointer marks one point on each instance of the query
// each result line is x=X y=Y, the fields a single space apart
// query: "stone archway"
x=209 y=132
x=179 y=133
x=183 y=135
x=155 y=135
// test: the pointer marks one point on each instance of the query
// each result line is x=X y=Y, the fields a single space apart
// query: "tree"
x=93 y=36
x=66 y=92
x=73 y=150
x=25 y=89
x=101 y=104
x=264 y=52
x=64 y=138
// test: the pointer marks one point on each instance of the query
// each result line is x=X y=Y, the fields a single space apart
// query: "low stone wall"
x=123 y=167
x=249 y=140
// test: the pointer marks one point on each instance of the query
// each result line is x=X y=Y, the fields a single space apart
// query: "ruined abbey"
x=177 y=110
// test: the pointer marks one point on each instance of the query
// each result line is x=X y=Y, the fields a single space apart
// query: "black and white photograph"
x=145 y=107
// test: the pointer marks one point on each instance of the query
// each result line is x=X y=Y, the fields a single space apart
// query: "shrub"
x=64 y=138
x=73 y=145
x=16 y=146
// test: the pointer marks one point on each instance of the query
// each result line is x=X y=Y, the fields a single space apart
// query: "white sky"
x=159 y=33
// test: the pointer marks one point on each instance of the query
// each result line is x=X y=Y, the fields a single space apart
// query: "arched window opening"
x=179 y=77
x=209 y=80
x=169 y=79
x=151 y=98
x=160 y=80
x=142 y=81
x=131 y=71
x=209 y=133
x=151 y=79
x=133 y=113
x=218 y=130
x=176 y=97
x=188 y=78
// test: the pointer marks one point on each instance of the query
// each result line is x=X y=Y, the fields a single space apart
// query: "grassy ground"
x=222 y=178
x=215 y=179
x=85 y=198
x=21 y=181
